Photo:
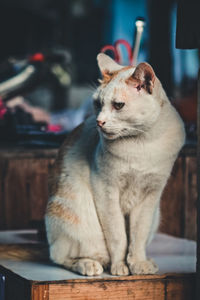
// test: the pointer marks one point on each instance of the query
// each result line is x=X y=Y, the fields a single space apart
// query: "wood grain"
x=190 y=189
x=16 y=189
x=38 y=190
x=172 y=202
x=40 y=292
x=24 y=191
x=180 y=289
x=179 y=200
x=7 y=152
x=116 y=290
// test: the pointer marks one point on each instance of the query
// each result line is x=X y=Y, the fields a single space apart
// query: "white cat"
x=105 y=190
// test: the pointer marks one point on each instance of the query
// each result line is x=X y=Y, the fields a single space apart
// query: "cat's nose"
x=100 y=123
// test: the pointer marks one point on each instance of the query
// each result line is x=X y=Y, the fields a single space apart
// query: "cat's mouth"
x=108 y=135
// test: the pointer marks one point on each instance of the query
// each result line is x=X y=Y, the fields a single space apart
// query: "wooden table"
x=29 y=275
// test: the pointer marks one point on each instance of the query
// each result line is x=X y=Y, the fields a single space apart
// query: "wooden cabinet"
x=23 y=190
x=179 y=200
x=23 y=186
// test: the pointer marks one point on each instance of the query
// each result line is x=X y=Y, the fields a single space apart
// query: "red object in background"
x=117 y=52
x=37 y=57
x=54 y=128
x=3 y=109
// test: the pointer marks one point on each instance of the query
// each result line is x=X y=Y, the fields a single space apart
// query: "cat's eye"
x=97 y=104
x=118 y=105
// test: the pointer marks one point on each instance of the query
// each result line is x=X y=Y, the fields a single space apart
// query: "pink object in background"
x=54 y=128
x=3 y=109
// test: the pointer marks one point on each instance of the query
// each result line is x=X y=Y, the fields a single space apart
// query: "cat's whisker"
x=92 y=86
x=140 y=130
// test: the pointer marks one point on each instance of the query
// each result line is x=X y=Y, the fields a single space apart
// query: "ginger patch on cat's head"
x=141 y=77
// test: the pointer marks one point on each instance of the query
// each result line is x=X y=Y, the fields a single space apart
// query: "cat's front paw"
x=119 y=268
x=143 y=267
x=88 y=267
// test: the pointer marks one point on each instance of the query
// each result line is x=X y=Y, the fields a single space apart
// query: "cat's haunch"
x=110 y=173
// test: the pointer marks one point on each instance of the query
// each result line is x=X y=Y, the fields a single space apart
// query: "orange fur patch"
x=133 y=81
x=107 y=77
x=56 y=209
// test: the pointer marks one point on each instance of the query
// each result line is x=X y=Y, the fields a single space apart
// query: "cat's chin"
x=108 y=136
x=112 y=136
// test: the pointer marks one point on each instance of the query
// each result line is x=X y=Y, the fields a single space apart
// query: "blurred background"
x=60 y=40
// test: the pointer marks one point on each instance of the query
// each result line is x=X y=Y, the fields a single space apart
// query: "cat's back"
x=78 y=148
x=82 y=142
x=173 y=130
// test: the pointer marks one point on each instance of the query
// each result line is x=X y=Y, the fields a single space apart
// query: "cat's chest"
x=133 y=187
x=142 y=158
x=128 y=191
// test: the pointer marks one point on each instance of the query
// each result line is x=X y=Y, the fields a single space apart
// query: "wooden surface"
x=26 y=256
x=30 y=275
x=148 y=287
x=23 y=190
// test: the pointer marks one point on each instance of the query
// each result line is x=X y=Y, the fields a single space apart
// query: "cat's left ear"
x=107 y=65
x=145 y=76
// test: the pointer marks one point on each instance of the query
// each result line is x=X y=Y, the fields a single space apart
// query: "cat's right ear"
x=145 y=75
x=107 y=66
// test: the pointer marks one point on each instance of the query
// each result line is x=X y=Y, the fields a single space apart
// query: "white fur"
x=118 y=172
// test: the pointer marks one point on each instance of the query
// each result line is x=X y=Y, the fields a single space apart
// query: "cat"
x=104 y=194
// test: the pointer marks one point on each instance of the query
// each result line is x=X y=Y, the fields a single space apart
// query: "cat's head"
x=126 y=103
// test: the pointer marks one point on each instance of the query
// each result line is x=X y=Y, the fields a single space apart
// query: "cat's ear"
x=145 y=76
x=107 y=65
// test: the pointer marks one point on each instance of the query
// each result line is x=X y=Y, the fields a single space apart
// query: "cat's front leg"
x=113 y=225
x=142 y=220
